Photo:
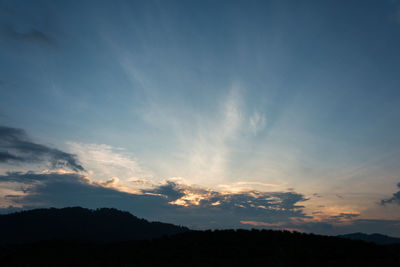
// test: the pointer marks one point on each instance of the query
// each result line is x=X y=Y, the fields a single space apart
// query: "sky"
x=210 y=114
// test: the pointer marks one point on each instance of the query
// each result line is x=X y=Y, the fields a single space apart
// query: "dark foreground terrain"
x=177 y=247
x=217 y=248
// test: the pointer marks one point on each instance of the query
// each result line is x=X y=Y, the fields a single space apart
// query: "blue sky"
x=233 y=97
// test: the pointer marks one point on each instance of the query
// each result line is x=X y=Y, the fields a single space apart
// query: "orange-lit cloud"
x=266 y=224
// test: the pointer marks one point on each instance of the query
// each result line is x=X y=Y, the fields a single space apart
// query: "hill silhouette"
x=76 y=223
x=76 y=237
x=374 y=238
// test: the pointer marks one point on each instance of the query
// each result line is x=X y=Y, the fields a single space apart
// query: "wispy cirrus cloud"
x=208 y=143
x=105 y=161
x=204 y=139
x=209 y=152
x=257 y=122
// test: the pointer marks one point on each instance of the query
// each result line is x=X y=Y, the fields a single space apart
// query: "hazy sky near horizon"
x=296 y=100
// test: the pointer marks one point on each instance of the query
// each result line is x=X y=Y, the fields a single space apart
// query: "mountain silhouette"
x=373 y=238
x=76 y=223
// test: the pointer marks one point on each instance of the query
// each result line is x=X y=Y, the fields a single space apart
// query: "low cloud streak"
x=16 y=147
x=394 y=199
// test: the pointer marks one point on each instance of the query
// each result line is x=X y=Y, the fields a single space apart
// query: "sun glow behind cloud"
x=104 y=161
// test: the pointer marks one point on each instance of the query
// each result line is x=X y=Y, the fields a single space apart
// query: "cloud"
x=32 y=177
x=171 y=202
x=252 y=200
x=255 y=223
x=175 y=202
x=60 y=189
x=394 y=199
x=250 y=185
x=29 y=36
x=257 y=122
x=5 y=156
x=344 y=217
x=209 y=151
x=388 y=227
x=16 y=147
x=104 y=161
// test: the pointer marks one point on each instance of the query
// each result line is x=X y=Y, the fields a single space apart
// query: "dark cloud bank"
x=71 y=189
x=16 y=147
x=276 y=208
x=169 y=202
x=394 y=199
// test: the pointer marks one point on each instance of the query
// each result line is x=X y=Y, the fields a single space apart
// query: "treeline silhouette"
x=203 y=248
